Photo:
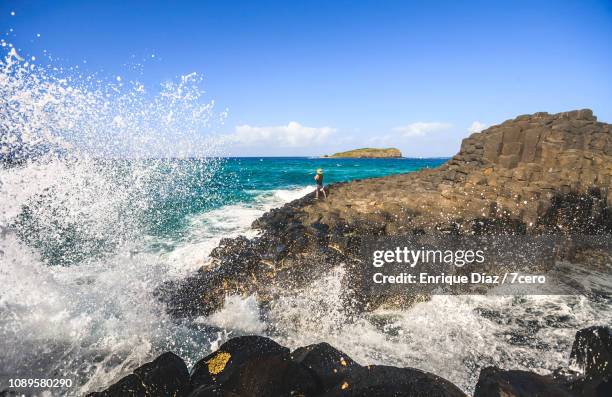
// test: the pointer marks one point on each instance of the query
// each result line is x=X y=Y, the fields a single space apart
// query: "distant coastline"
x=367 y=153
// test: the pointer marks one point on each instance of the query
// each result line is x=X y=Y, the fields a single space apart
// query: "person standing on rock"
x=319 y=179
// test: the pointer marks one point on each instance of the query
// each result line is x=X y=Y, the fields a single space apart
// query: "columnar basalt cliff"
x=537 y=173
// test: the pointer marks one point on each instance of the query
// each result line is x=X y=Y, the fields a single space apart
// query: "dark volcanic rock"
x=167 y=375
x=253 y=366
x=329 y=364
x=592 y=352
x=204 y=391
x=383 y=381
x=535 y=174
x=494 y=382
x=591 y=387
x=216 y=368
x=273 y=376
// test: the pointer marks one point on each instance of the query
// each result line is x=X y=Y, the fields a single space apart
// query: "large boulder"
x=592 y=353
x=271 y=376
x=217 y=367
x=167 y=375
x=384 y=381
x=328 y=363
x=252 y=366
x=495 y=382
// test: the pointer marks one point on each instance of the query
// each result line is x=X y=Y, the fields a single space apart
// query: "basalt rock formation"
x=540 y=173
x=590 y=354
x=255 y=366
x=167 y=375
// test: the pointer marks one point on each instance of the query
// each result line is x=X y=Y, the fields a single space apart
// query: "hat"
x=320 y=171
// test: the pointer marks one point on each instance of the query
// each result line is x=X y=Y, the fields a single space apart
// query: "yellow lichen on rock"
x=218 y=362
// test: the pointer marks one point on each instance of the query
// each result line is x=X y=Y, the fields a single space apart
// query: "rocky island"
x=534 y=174
x=368 y=153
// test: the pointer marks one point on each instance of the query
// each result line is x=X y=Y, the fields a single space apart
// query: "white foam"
x=239 y=314
x=452 y=336
x=89 y=313
x=206 y=230
x=101 y=315
x=98 y=318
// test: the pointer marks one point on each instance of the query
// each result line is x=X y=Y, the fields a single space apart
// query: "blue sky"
x=313 y=77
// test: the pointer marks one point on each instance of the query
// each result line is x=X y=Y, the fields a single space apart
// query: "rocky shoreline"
x=254 y=366
x=532 y=175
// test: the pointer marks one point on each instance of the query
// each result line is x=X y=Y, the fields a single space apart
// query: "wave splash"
x=90 y=198
x=83 y=244
x=450 y=336
x=84 y=171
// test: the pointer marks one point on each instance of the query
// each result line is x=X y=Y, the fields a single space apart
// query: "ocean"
x=88 y=241
x=87 y=235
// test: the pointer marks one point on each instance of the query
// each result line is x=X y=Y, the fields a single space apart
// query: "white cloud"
x=476 y=126
x=291 y=135
x=421 y=128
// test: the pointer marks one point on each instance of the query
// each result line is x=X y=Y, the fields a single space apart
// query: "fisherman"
x=319 y=179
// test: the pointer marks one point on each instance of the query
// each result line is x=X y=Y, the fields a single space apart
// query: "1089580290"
x=43 y=383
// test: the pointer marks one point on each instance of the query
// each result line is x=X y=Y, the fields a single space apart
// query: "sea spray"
x=451 y=336
x=88 y=167
x=95 y=216
x=68 y=131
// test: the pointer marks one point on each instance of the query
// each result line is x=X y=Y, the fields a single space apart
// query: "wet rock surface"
x=329 y=364
x=592 y=353
x=535 y=174
x=167 y=375
x=218 y=367
x=254 y=366
x=381 y=381
x=494 y=382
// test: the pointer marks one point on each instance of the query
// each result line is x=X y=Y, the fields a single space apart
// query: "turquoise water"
x=202 y=185
x=276 y=173
x=85 y=241
x=89 y=240
x=94 y=239
x=155 y=205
